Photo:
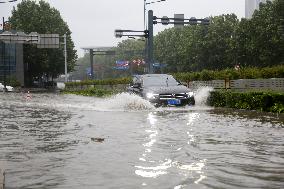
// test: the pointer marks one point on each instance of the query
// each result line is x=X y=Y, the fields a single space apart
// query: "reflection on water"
x=166 y=165
x=28 y=138
x=46 y=142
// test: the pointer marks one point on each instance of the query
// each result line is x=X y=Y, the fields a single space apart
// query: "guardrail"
x=273 y=84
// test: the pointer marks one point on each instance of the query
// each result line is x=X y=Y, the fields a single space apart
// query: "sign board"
x=122 y=65
x=19 y=37
x=88 y=71
x=138 y=62
x=179 y=20
x=159 y=65
x=48 y=41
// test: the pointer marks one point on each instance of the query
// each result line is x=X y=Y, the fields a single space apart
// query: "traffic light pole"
x=150 y=42
x=149 y=35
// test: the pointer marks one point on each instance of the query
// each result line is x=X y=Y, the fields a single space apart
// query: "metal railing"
x=273 y=84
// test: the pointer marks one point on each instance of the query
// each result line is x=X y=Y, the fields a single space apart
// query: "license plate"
x=173 y=102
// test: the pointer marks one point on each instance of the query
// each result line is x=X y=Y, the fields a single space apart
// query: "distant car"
x=9 y=88
x=161 y=90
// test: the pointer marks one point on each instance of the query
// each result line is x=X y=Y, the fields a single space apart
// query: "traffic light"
x=192 y=21
x=205 y=21
x=165 y=20
x=155 y=20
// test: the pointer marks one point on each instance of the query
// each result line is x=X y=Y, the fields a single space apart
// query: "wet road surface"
x=67 y=141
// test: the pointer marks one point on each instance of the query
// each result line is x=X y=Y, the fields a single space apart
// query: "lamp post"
x=148 y=3
x=118 y=33
x=149 y=41
x=65 y=56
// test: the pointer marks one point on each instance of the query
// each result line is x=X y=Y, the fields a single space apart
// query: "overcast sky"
x=93 y=22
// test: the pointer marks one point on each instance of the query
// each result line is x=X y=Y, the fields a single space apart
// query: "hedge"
x=205 y=75
x=91 y=92
x=245 y=73
x=262 y=101
x=125 y=80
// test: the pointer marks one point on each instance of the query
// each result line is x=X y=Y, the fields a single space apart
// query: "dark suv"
x=161 y=90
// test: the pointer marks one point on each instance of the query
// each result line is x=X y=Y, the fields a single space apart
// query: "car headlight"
x=151 y=95
x=190 y=94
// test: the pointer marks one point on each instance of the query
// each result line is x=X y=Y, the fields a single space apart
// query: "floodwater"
x=65 y=141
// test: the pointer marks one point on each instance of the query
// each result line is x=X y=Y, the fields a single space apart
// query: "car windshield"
x=161 y=80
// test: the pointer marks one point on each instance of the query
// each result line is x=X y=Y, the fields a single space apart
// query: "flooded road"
x=67 y=141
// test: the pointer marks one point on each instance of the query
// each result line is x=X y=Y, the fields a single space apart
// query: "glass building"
x=11 y=62
x=8 y=61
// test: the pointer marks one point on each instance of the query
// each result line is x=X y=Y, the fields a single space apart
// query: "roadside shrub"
x=206 y=75
x=262 y=101
x=12 y=81
x=99 y=82
x=91 y=92
x=244 y=73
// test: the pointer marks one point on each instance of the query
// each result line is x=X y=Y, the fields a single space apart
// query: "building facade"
x=11 y=62
x=251 y=6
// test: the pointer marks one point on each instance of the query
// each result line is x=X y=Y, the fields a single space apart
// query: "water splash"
x=201 y=95
x=125 y=102
x=119 y=102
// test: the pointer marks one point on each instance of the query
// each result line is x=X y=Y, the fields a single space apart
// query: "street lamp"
x=148 y=3
x=118 y=33
x=9 y=1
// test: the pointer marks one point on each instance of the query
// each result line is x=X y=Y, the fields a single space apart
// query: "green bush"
x=262 y=101
x=244 y=73
x=12 y=81
x=91 y=92
x=100 y=82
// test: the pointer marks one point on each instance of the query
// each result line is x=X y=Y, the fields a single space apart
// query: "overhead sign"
x=179 y=20
x=20 y=37
x=48 y=41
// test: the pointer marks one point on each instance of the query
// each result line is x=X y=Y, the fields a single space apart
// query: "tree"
x=256 y=42
x=194 y=48
x=129 y=50
x=30 y=16
x=268 y=39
